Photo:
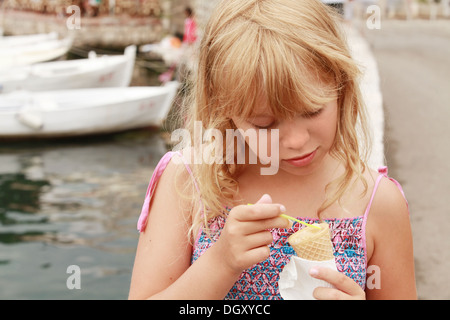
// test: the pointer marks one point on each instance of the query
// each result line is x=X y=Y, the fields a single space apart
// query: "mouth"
x=302 y=160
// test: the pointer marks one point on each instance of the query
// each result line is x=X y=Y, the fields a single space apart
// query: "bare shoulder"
x=389 y=243
x=389 y=201
x=388 y=221
x=173 y=185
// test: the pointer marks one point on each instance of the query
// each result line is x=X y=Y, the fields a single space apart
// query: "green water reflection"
x=73 y=202
x=20 y=195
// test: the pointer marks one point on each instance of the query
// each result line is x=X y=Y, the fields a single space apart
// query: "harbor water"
x=75 y=203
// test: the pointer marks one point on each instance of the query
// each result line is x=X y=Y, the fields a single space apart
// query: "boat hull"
x=34 y=53
x=95 y=72
x=84 y=112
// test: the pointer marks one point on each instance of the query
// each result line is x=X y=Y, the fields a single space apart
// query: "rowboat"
x=63 y=113
x=14 y=41
x=28 y=53
x=94 y=72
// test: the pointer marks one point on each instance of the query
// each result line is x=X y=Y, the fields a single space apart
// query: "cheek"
x=260 y=142
x=248 y=133
x=325 y=127
x=268 y=143
x=328 y=131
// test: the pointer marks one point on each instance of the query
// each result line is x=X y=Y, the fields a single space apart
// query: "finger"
x=323 y=293
x=257 y=255
x=258 y=211
x=259 y=239
x=337 y=279
x=266 y=224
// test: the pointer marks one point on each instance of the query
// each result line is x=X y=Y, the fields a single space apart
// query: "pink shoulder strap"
x=383 y=171
x=160 y=167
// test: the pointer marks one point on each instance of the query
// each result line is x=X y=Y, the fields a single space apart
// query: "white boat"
x=94 y=72
x=25 y=54
x=14 y=41
x=83 y=111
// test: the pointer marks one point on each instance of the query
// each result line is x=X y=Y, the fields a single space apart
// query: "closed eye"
x=313 y=114
x=262 y=122
x=262 y=126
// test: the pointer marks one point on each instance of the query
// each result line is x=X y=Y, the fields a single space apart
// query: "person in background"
x=190 y=27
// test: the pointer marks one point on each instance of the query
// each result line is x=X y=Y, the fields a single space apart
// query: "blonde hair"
x=275 y=48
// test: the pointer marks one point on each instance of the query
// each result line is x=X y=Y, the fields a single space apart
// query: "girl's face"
x=304 y=141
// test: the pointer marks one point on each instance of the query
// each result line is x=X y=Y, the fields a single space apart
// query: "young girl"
x=273 y=66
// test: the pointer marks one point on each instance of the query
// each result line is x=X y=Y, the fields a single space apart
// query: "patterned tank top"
x=260 y=282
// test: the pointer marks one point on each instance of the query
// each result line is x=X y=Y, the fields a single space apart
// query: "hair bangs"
x=293 y=79
x=290 y=78
x=232 y=74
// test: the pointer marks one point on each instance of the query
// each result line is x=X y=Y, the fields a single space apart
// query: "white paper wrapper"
x=295 y=282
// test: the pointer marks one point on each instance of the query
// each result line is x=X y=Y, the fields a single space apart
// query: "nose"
x=294 y=134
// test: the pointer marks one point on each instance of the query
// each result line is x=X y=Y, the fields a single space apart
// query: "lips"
x=303 y=160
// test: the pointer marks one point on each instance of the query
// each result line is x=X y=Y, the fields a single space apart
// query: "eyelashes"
x=273 y=123
x=313 y=114
x=262 y=127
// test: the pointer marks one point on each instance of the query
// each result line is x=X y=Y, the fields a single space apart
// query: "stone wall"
x=203 y=9
x=89 y=7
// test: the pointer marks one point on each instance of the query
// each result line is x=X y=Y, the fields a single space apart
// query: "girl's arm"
x=162 y=268
x=164 y=251
x=388 y=226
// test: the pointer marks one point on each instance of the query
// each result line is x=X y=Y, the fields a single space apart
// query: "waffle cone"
x=313 y=244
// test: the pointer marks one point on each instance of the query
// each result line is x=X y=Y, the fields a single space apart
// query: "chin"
x=304 y=171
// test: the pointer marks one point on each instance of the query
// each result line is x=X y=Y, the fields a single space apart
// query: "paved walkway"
x=413 y=62
x=370 y=87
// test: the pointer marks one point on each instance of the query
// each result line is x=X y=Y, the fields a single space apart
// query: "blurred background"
x=75 y=199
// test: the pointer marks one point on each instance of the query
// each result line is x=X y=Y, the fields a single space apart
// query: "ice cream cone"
x=313 y=244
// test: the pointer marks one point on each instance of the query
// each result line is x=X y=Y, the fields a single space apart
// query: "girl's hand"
x=344 y=287
x=245 y=238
